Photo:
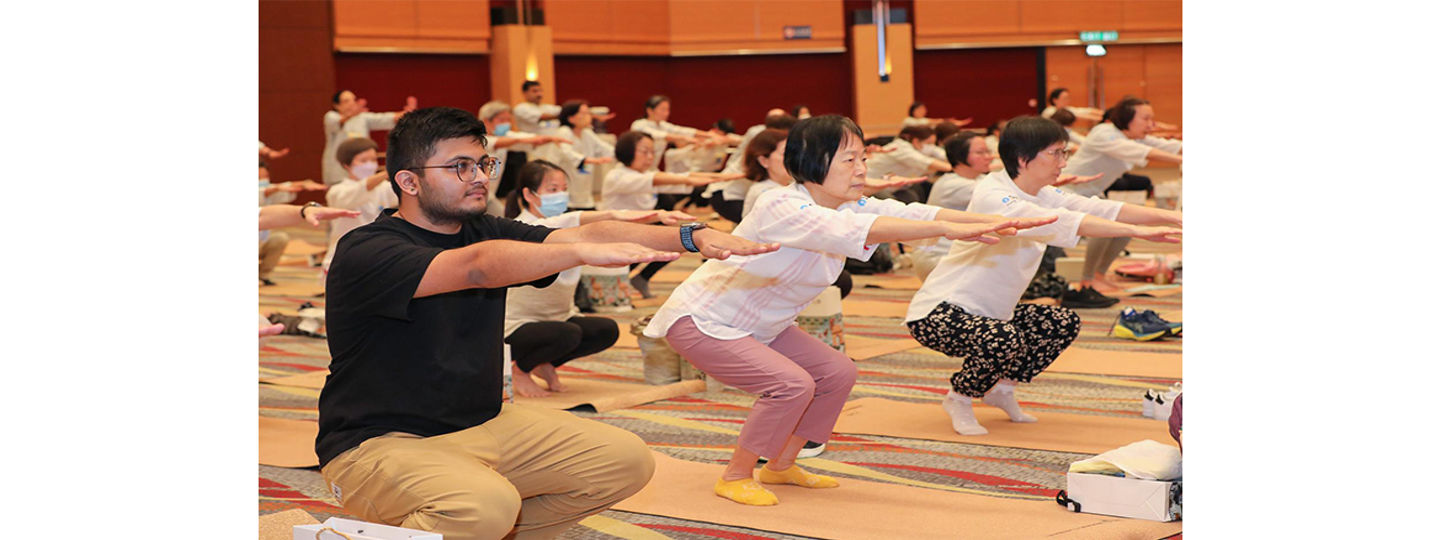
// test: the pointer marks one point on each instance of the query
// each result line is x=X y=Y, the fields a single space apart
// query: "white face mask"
x=364 y=169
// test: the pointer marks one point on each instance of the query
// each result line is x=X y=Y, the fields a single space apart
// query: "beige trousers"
x=270 y=251
x=530 y=472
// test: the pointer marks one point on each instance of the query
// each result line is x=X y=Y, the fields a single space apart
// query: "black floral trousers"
x=993 y=349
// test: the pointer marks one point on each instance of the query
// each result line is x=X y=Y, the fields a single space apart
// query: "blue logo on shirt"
x=862 y=202
x=1005 y=200
x=804 y=206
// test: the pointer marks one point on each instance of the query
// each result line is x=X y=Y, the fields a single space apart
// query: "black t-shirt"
x=427 y=366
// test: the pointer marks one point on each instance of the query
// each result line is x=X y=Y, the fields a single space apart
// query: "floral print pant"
x=993 y=349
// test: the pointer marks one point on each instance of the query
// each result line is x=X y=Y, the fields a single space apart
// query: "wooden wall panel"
x=1124 y=73
x=384 y=80
x=997 y=23
x=1068 y=67
x=448 y=26
x=881 y=106
x=296 y=80
x=1163 y=81
x=1152 y=15
x=691 y=27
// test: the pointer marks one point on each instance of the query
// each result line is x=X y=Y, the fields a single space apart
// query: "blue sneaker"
x=1175 y=327
x=1132 y=324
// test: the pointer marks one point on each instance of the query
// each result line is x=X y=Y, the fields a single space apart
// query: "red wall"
x=384 y=80
x=707 y=88
x=987 y=84
x=296 y=74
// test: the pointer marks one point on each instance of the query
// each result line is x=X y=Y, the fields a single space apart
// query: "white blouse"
x=988 y=279
x=1109 y=153
x=760 y=295
x=553 y=303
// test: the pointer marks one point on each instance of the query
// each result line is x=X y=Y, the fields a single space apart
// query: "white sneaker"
x=962 y=414
x=1165 y=402
x=1147 y=405
x=810 y=451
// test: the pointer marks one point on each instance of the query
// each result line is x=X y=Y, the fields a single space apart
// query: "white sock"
x=1002 y=396
x=962 y=415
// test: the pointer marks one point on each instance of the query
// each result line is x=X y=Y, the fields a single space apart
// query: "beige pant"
x=270 y=251
x=536 y=471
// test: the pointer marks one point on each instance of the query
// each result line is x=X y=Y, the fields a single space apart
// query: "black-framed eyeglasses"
x=468 y=170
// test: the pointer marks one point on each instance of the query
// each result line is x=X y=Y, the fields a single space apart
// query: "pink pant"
x=802 y=382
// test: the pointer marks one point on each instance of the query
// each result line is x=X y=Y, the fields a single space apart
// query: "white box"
x=359 y=530
x=1155 y=500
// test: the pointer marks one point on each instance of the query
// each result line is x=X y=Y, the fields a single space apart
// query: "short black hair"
x=813 y=142
x=913 y=106
x=655 y=101
x=781 y=122
x=1025 y=137
x=1063 y=117
x=335 y=99
x=795 y=111
x=945 y=130
x=352 y=147
x=1124 y=111
x=571 y=108
x=1055 y=94
x=957 y=148
x=725 y=125
x=413 y=140
x=625 y=146
x=527 y=85
x=916 y=133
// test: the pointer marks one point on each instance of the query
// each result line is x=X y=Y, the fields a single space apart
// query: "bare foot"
x=552 y=379
x=524 y=385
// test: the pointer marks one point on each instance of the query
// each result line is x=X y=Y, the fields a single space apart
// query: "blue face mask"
x=554 y=204
x=502 y=129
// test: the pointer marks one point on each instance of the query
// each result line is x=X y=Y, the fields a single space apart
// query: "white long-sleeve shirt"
x=359 y=125
x=628 y=189
x=351 y=194
x=903 y=160
x=527 y=116
x=658 y=131
x=950 y=191
x=760 y=295
x=754 y=193
x=553 y=303
x=988 y=279
x=1109 y=153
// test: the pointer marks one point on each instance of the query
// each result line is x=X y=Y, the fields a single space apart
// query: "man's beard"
x=439 y=212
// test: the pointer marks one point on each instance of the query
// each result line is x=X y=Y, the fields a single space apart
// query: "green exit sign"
x=1100 y=35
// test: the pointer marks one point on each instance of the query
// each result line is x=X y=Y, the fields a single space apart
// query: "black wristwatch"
x=311 y=204
x=687 y=236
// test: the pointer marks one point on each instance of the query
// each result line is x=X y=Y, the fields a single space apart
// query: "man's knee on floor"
x=478 y=514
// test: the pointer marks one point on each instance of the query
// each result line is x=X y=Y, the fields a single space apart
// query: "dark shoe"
x=811 y=449
x=1130 y=324
x=643 y=285
x=1086 y=297
x=1175 y=327
x=266 y=281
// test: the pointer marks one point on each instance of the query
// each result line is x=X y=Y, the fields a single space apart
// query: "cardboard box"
x=359 y=530
x=1155 y=500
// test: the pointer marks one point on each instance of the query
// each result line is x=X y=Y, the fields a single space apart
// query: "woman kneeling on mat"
x=735 y=319
x=967 y=306
x=543 y=326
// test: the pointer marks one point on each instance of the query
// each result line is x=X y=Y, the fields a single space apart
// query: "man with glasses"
x=413 y=431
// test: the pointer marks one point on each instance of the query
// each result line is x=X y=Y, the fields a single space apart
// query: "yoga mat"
x=313 y=379
x=1135 y=364
x=289 y=443
x=301 y=247
x=1083 y=433
x=863 y=348
x=307 y=288
x=281 y=525
x=909 y=282
x=874 y=308
x=864 y=509
x=627 y=340
x=608 y=396
x=1150 y=289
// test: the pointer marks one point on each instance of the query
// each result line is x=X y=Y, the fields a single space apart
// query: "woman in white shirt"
x=584 y=149
x=365 y=189
x=664 y=134
x=916 y=117
x=765 y=164
x=349 y=119
x=633 y=186
x=968 y=309
x=736 y=320
x=1110 y=149
x=542 y=325
x=1060 y=99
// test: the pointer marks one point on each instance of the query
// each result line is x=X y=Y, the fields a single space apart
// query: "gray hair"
x=489 y=110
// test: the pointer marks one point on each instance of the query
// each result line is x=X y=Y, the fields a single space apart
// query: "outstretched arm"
x=491 y=264
x=890 y=229
x=712 y=243
x=1098 y=227
x=276 y=216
